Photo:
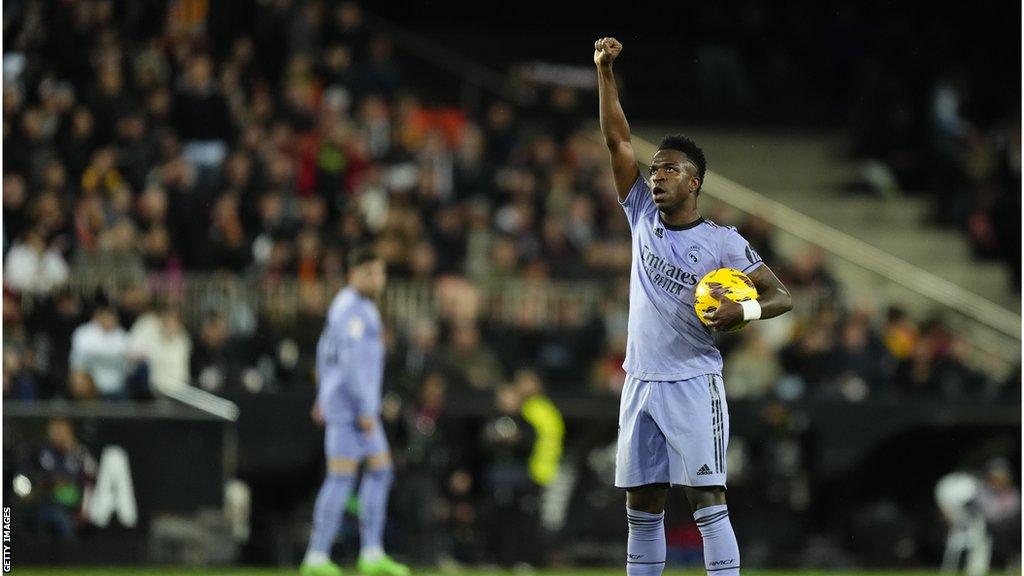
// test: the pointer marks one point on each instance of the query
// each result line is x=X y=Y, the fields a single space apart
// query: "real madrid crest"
x=693 y=254
x=356 y=328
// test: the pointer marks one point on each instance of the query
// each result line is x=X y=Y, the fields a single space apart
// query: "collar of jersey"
x=682 y=227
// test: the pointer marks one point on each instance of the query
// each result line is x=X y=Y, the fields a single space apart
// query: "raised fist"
x=606 y=50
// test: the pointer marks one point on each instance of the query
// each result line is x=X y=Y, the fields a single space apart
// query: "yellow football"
x=738 y=288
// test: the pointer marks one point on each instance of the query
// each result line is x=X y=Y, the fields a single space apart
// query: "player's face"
x=674 y=180
x=372 y=277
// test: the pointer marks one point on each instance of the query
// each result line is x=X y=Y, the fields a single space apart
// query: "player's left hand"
x=727 y=315
x=316 y=414
x=366 y=423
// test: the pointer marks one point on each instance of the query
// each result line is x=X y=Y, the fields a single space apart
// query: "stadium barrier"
x=156 y=463
x=783 y=458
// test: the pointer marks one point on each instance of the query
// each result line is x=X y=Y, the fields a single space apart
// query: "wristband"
x=751 y=309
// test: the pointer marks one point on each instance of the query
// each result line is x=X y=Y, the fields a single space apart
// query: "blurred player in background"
x=350 y=368
x=673 y=421
x=60 y=474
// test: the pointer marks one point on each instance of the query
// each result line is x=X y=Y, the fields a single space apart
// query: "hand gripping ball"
x=737 y=288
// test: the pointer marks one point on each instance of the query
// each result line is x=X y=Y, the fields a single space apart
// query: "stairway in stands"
x=806 y=171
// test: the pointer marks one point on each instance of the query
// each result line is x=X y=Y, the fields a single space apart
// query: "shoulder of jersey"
x=713 y=224
x=343 y=305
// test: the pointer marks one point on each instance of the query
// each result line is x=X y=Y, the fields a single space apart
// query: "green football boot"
x=383 y=566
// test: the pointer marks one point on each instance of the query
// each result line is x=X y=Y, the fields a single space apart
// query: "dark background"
x=809 y=62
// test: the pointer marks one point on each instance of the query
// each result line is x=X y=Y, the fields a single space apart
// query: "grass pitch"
x=431 y=572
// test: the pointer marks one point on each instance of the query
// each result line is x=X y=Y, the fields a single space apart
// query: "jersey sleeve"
x=737 y=253
x=638 y=202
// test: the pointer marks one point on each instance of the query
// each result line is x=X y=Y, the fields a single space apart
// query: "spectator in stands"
x=219 y=361
x=59 y=472
x=862 y=364
x=808 y=271
x=200 y=115
x=607 y=372
x=999 y=501
x=32 y=266
x=380 y=72
x=570 y=343
x=462 y=538
x=512 y=498
x=78 y=141
x=758 y=232
x=753 y=368
x=432 y=447
x=133 y=301
x=938 y=365
x=155 y=238
x=99 y=363
x=22 y=380
x=228 y=243
x=306 y=331
x=15 y=202
x=159 y=340
x=52 y=324
x=135 y=147
x=548 y=427
x=811 y=355
x=419 y=352
x=899 y=334
x=471 y=365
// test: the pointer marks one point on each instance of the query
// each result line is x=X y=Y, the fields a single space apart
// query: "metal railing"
x=533 y=303
x=203 y=400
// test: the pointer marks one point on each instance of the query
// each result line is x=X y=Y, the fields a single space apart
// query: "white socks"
x=315 y=558
x=370 y=554
x=645 y=549
x=721 y=553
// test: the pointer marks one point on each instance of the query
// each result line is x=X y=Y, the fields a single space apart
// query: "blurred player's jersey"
x=666 y=341
x=350 y=359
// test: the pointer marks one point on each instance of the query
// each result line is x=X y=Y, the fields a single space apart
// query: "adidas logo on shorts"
x=704 y=470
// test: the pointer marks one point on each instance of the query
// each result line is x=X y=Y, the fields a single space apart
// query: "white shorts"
x=672 y=432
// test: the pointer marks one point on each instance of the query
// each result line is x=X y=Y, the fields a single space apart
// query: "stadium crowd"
x=136 y=151
x=136 y=147
x=949 y=132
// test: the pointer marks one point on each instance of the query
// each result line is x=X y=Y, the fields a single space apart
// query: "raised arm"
x=613 y=119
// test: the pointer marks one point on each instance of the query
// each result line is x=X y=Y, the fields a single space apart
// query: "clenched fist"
x=606 y=50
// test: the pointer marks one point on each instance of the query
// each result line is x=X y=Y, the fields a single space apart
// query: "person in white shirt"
x=99 y=364
x=158 y=339
x=33 y=267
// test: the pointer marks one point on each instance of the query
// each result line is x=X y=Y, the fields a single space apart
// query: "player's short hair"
x=688 y=147
x=360 y=255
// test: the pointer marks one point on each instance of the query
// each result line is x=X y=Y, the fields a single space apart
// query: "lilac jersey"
x=666 y=341
x=350 y=359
